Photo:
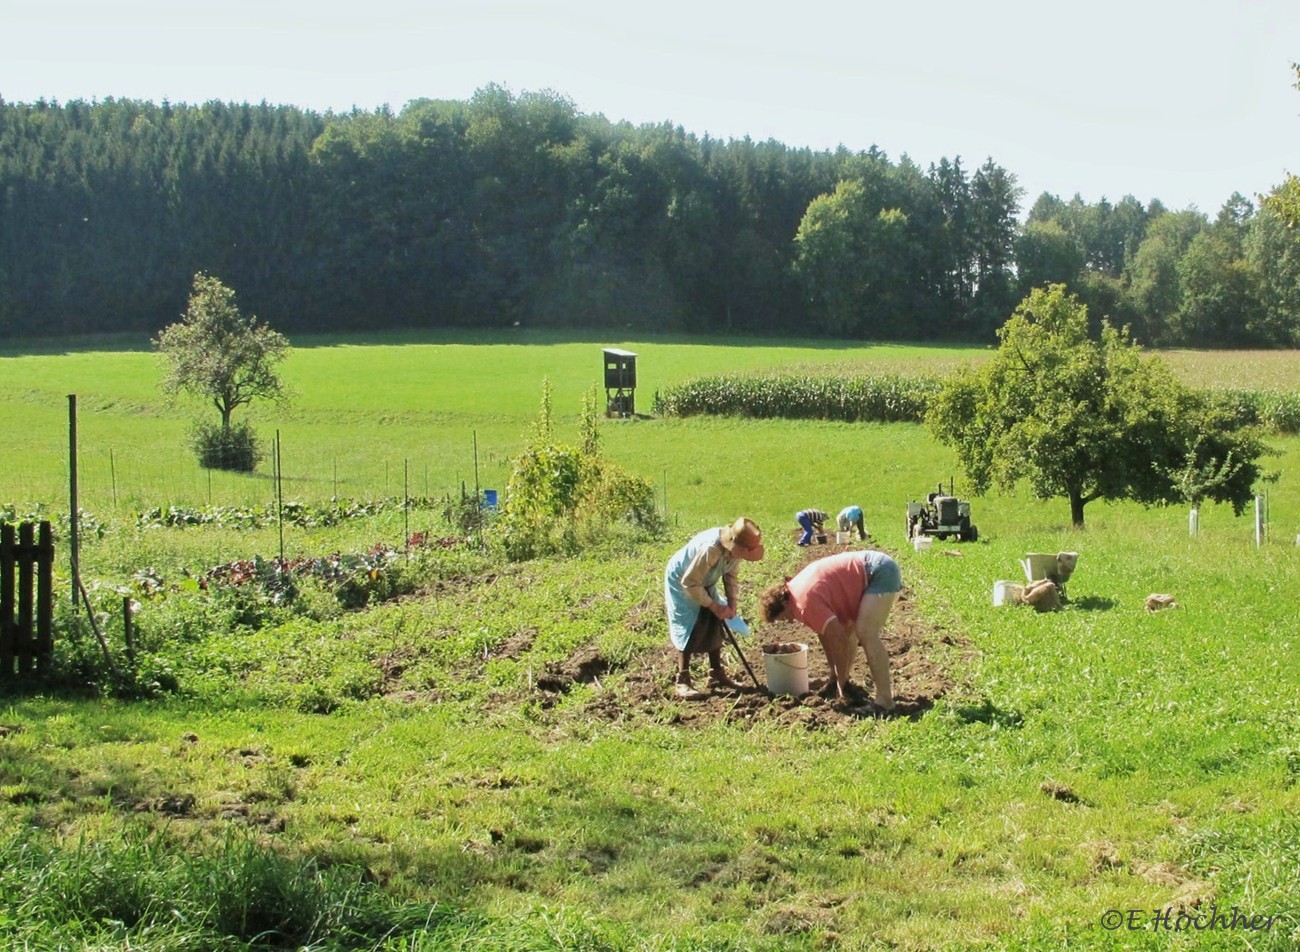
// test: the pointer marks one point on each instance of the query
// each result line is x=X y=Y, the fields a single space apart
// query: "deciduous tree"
x=1284 y=201
x=1087 y=418
x=216 y=353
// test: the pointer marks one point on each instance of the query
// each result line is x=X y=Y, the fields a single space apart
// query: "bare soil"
x=643 y=688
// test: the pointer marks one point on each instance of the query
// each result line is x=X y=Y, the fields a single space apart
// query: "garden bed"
x=919 y=655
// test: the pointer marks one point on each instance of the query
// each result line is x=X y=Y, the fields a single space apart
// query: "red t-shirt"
x=829 y=588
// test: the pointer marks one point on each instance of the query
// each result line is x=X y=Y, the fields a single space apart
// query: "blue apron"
x=683 y=611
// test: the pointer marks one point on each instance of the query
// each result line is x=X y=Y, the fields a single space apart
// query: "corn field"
x=893 y=398
x=853 y=399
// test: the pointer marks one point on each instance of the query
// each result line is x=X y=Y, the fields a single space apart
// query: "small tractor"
x=942 y=514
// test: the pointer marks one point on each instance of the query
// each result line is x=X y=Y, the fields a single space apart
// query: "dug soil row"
x=644 y=687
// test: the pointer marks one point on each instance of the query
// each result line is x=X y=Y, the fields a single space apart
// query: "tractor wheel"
x=973 y=535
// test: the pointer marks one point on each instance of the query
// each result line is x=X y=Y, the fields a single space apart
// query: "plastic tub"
x=1039 y=565
x=786 y=667
x=1007 y=593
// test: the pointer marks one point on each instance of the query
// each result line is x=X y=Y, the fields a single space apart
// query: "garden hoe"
x=732 y=626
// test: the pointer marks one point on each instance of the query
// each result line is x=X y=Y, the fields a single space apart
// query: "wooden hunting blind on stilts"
x=620 y=382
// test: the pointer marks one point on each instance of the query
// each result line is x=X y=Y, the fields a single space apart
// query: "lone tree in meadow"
x=216 y=353
x=1089 y=419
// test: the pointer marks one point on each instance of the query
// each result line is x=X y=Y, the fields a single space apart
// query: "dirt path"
x=916 y=650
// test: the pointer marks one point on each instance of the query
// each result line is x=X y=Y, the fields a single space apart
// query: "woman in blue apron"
x=696 y=610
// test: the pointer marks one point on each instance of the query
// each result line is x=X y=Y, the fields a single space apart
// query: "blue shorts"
x=883 y=574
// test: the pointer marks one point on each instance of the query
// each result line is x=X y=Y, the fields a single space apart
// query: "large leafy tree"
x=216 y=353
x=995 y=200
x=1088 y=418
x=1220 y=290
x=1272 y=252
x=1153 y=273
x=1046 y=254
x=1284 y=201
x=851 y=251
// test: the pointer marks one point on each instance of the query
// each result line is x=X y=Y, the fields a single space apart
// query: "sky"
x=1185 y=101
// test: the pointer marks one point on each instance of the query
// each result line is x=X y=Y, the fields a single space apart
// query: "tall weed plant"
x=560 y=498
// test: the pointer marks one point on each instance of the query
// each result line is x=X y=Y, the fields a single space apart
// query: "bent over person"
x=845 y=599
x=851 y=517
x=697 y=612
x=810 y=521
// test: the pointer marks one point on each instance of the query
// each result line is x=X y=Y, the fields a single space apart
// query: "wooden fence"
x=26 y=598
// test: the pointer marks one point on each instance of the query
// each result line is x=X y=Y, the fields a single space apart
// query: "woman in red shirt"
x=845 y=599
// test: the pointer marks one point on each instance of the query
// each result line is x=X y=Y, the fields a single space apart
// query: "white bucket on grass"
x=1039 y=565
x=1007 y=593
x=922 y=543
x=787 y=671
x=841 y=538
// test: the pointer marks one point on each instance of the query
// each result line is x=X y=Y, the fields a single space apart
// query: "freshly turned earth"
x=921 y=656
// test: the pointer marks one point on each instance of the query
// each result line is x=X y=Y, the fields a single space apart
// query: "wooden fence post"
x=7 y=559
x=26 y=598
x=26 y=592
x=45 y=596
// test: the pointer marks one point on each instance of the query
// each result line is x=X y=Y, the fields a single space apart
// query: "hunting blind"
x=620 y=382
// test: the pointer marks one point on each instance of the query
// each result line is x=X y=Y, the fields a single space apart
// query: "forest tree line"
x=517 y=209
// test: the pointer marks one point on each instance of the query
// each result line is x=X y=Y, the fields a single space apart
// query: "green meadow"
x=399 y=778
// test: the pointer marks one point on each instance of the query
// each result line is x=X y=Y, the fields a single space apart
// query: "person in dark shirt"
x=810 y=520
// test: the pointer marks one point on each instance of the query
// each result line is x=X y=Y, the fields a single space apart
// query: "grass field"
x=423 y=403
x=1097 y=761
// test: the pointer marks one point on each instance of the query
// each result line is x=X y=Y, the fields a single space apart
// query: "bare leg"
x=848 y=649
x=830 y=645
x=718 y=676
x=684 y=688
x=873 y=611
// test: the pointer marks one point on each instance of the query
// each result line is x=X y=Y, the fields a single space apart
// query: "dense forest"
x=513 y=209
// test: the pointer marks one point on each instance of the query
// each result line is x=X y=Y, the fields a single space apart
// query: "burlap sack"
x=1043 y=595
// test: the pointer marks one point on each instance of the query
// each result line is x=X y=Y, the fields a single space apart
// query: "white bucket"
x=787 y=672
x=1007 y=593
x=841 y=538
x=921 y=543
x=1039 y=565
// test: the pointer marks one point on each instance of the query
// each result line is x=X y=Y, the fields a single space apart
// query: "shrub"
x=235 y=449
x=559 y=498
